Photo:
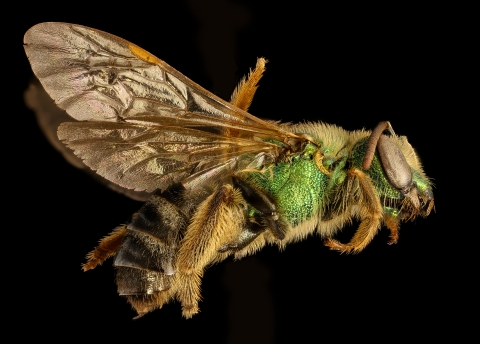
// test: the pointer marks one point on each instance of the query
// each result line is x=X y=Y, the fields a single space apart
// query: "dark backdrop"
x=351 y=66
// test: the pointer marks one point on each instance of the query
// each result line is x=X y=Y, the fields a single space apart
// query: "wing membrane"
x=49 y=117
x=97 y=76
x=149 y=126
x=149 y=158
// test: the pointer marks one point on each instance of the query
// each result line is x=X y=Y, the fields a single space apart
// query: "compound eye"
x=394 y=164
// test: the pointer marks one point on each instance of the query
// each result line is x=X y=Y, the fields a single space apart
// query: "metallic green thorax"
x=297 y=185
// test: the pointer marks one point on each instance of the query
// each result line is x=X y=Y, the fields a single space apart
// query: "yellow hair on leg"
x=370 y=215
x=243 y=94
x=106 y=248
x=218 y=220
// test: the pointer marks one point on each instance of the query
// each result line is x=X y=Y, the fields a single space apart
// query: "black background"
x=351 y=66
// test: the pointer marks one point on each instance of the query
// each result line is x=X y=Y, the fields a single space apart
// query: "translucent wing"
x=152 y=157
x=151 y=125
x=49 y=117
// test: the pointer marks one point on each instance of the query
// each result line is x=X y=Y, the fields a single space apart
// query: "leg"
x=251 y=231
x=107 y=248
x=218 y=220
x=370 y=215
x=393 y=224
x=189 y=291
x=243 y=94
x=263 y=204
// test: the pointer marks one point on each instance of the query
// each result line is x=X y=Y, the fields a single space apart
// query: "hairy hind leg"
x=107 y=248
x=243 y=94
x=218 y=221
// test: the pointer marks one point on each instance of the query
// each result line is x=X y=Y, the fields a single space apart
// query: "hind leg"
x=218 y=220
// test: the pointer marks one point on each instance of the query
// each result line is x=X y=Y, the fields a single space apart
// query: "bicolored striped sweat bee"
x=220 y=181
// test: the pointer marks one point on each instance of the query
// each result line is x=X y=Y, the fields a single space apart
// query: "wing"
x=147 y=158
x=49 y=117
x=149 y=125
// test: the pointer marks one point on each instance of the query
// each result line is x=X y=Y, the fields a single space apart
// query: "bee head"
x=416 y=200
x=396 y=174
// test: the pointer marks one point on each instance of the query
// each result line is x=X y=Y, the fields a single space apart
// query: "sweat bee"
x=220 y=182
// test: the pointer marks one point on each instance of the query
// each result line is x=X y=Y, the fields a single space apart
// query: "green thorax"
x=296 y=185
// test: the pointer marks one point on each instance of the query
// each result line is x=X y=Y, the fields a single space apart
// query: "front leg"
x=370 y=215
x=393 y=224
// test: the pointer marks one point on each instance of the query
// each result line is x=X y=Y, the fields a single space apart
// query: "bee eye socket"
x=394 y=163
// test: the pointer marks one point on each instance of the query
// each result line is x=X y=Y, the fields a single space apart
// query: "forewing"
x=150 y=125
x=94 y=75
x=49 y=117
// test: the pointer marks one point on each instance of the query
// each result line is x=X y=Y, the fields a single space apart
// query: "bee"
x=220 y=182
